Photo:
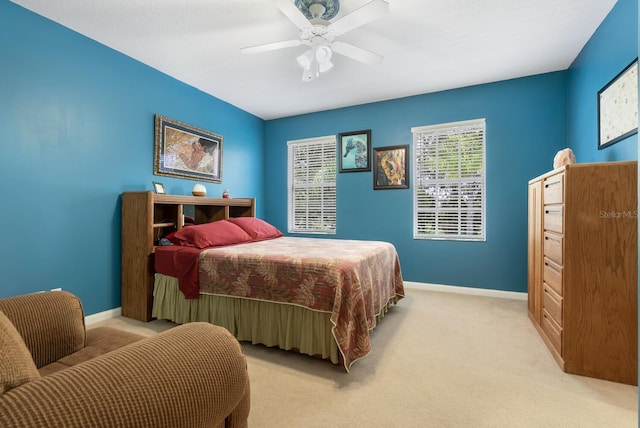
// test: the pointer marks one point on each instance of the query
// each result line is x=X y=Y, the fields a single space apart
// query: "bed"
x=320 y=297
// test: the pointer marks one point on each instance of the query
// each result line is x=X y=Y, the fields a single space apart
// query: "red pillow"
x=172 y=237
x=259 y=230
x=215 y=234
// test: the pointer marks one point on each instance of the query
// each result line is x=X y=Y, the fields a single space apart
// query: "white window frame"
x=439 y=210
x=327 y=202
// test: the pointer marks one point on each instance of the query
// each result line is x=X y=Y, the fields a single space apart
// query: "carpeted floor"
x=438 y=360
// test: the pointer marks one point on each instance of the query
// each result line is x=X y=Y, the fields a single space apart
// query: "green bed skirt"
x=288 y=327
x=285 y=326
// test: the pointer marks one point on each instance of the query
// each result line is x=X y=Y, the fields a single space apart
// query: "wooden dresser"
x=146 y=217
x=583 y=267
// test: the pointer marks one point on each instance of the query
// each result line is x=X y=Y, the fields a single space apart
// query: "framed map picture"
x=618 y=107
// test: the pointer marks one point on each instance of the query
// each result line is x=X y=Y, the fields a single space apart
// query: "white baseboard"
x=112 y=313
x=102 y=316
x=466 y=290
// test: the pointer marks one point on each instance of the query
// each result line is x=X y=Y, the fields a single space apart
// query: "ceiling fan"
x=312 y=18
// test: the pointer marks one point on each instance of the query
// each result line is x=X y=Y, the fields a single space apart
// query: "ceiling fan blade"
x=271 y=46
x=359 y=54
x=293 y=13
x=361 y=16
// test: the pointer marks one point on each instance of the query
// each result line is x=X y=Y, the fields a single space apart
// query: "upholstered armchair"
x=56 y=373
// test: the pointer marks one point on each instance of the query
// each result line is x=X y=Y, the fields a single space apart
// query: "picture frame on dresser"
x=185 y=151
x=618 y=107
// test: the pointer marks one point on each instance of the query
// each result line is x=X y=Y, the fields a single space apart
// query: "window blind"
x=449 y=181
x=312 y=185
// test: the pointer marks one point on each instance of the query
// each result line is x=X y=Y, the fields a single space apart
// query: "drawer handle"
x=550 y=266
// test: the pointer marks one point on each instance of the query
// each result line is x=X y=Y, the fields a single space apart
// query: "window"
x=449 y=181
x=312 y=185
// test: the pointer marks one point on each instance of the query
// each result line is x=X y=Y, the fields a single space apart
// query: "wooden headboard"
x=146 y=217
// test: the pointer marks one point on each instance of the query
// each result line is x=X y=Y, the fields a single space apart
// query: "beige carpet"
x=438 y=360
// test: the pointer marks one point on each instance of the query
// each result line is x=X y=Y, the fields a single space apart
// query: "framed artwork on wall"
x=185 y=151
x=354 y=150
x=391 y=167
x=618 y=107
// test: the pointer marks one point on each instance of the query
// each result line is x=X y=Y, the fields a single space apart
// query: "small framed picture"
x=354 y=150
x=391 y=167
x=158 y=188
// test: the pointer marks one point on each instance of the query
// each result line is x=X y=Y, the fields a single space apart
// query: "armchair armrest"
x=194 y=375
x=51 y=323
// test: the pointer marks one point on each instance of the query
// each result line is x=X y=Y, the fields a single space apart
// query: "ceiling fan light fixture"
x=315 y=61
x=306 y=59
x=318 y=33
x=325 y=66
x=323 y=54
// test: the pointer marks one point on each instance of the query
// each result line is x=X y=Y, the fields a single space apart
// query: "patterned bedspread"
x=352 y=280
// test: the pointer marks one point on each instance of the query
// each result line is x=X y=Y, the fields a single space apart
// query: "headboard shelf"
x=146 y=217
x=161 y=225
x=197 y=200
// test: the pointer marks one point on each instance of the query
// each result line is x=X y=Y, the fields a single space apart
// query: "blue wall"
x=77 y=121
x=77 y=130
x=526 y=126
x=612 y=47
x=528 y=121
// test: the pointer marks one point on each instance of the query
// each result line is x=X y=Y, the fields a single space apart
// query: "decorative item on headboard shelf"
x=226 y=194
x=199 y=190
x=158 y=188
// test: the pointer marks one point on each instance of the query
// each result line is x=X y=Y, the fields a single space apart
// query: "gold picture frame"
x=185 y=151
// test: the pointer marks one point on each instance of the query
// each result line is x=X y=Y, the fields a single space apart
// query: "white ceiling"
x=428 y=46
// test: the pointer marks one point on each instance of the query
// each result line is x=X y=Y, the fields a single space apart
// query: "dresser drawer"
x=552 y=331
x=552 y=247
x=552 y=276
x=552 y=218
x=552 y=303
x=553 y=190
